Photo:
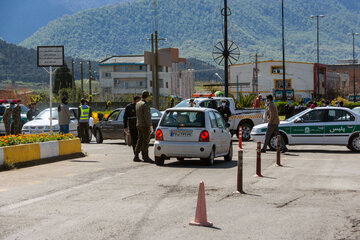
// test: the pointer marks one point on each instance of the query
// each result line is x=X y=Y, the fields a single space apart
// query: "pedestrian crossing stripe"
x=246 y=116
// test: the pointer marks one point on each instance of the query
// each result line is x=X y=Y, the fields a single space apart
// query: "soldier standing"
x=224 y=110
x=84 y=113
x=130 y=124
x=143 y=124
x=7 y=118
x=16 y=115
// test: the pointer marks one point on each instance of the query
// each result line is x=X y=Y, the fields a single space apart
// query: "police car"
x=319 y=126
x=192 y=133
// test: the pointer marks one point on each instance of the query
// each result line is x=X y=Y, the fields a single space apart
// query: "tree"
x=62 y=79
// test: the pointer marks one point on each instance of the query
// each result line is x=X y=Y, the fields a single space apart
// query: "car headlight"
x=55 y=128
x=25 y=128
x=47 y=127
x=256 y=130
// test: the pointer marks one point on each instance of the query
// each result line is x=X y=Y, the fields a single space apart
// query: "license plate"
x=181 y=133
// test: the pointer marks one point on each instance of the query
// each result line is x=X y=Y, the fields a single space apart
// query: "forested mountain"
x=195 y=26
x=19 y=64
x=21 y=18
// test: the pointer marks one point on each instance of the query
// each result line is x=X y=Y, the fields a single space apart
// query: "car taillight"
x=159 y=135
x=204 y=136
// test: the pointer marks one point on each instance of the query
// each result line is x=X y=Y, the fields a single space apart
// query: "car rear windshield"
x=183 y=119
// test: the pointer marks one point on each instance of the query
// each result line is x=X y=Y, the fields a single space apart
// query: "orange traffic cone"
x=200 y=215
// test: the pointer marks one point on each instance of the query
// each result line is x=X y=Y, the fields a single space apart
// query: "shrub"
x=11 y=140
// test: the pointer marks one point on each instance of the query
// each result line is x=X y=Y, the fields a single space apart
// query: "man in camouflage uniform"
x=7 y=118
x=144 y=125
x=16 y=115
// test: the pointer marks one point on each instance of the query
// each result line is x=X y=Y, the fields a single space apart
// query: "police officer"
x=16 y=115
x=84 y=113
x=144 y=125
x=130 y=124
x=7 y=118
x=224 y=110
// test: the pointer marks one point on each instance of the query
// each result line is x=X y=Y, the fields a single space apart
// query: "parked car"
x=319 y=126
x=24 y=111
x=192 y=133
x=41 y=123
x=113 y=126
x=246 y=118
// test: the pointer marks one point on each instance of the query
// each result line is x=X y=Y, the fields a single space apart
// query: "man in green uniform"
x=16 y=115
x=143 y=124
x=84 y=113
x=7 y=118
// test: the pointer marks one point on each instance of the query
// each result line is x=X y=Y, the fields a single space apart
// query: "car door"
x=339 y=126
x=118 y=126
x=224 y=133
x=108 y=125
x=309 y=128
x=215 y=133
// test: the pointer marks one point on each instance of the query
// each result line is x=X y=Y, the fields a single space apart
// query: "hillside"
x=18 y=13
x=195 y=26
x=19 y=65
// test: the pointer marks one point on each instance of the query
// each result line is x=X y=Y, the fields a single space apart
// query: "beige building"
x=337 y=84
x=128 y=74
x=300 y=79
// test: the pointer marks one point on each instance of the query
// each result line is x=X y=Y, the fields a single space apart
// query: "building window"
x=150 y=83
x=278 y=84
x=129 y=83
x=106 y=74
x=150 y=68
x=276 y=69
x=167 y=69
x=167 y=85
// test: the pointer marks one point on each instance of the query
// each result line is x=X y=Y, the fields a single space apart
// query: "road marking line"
x=34 y=200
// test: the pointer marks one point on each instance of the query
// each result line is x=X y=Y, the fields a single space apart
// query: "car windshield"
x=183 y=119
x=185 y=103
x=46 y=114
x=296 y=116
x=155 y=113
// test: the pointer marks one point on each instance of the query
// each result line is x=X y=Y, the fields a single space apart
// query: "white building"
x=301 y=79
x=133 y=73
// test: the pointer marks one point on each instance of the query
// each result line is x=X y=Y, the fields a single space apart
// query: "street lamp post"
x=353 y=36
x=317 y=93
x=283 y=50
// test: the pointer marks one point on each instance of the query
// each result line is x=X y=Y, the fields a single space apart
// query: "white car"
x=319 y=126
x=192 y=133
x=357 y=110
x=41 y=123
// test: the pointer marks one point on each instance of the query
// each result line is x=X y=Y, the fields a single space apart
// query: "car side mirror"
x=227 y=125
x=298 y=120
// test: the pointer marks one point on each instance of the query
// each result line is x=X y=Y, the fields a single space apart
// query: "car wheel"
x=210 y=159
x=229 y=156
x=90 y=134
x=246 y=130
x=273 y=142
x=354 y=143
x=180 y=159
x=98 y=136
x=159 y=161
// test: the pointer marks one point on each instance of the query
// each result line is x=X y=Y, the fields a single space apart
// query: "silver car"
x=192 y=133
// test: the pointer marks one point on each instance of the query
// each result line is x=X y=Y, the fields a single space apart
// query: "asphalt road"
x=105 y=195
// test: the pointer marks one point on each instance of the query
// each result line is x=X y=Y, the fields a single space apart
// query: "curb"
x=37 y=151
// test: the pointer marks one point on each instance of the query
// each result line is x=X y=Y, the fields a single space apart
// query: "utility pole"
x=72 y=81
x=255 y=82
x=354 y=66
x=317 y=94
x=82 y=81
x=90 y=92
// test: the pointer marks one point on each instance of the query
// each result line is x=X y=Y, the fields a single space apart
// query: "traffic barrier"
x=200 y=214
x=278 y=163
x=240 y=137
x=239 y=187
x=258 y=160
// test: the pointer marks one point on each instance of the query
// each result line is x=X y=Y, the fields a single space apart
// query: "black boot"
x=136 y=158
x=147 y=159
